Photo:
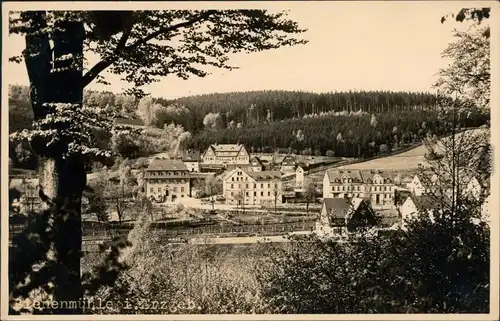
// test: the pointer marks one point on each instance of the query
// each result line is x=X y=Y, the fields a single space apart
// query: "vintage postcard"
x=312 y=160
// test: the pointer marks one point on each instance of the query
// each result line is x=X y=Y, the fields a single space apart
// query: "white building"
x=375 y=185
x=299 y=177
x=167 y=180
x=191 y=158
x=226 y=154
x=243 y=187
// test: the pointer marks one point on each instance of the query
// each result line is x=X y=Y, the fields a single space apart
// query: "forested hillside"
x=351 y=124
x=223 y=110
x=349 y=135
x=257 y=107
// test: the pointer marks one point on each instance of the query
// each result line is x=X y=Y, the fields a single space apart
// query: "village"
x=271 y=159
x=225 y=181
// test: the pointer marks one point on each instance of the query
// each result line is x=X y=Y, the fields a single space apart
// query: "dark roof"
x=265 y=175
x=288 y=160
x=256 y=159
x=191 y=155
x=337 y=207
x=429 y=202
x=304 y=166
x=128 y=121
x=167 y=165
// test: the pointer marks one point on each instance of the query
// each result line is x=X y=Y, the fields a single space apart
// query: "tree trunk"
x=62 y=179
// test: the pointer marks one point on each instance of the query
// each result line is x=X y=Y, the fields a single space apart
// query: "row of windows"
x=170 y=181
x=358 y=188
x=362 y=195
x=174 y=189
x=183 y=173
x=247 y=194
x=255 y=185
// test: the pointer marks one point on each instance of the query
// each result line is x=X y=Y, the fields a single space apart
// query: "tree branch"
x=105 y=63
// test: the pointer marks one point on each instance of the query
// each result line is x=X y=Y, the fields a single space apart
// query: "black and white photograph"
x=250 y=160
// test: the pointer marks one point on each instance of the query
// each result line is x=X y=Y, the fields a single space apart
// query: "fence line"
x=215 y=230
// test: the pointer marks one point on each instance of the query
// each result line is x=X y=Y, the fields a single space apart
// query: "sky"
x=352 y=46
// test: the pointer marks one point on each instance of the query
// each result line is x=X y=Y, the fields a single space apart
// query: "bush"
x=330 y=153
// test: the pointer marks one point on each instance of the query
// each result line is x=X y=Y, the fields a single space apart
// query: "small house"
x=288 y=164
x=299 y=177
x=255 y=164
x=342 y=216
x=191 y=158
x=415 y=205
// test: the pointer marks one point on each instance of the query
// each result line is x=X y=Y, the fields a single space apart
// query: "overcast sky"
x=352 y=45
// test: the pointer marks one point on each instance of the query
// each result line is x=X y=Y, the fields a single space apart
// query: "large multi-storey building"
x=226 y=154
x=375 y=185
x=243 y=187
x=167 y=180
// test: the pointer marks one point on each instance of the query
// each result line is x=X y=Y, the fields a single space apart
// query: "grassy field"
x=405 y=163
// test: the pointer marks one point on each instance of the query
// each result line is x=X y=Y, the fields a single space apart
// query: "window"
x=246 y=193
x=232 y=185
x=261 y=193
x=231 y=193
x=254 y=193
x=276 y=185
x=182 y=189
x=254 y=185
x=261 y=185
x=232 y=178
x=268 y=185
x=151 y=190
x=246 y=186
x=159 y=189
x=268 y=193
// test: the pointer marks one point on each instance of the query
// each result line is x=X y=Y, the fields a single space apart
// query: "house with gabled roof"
x=421 y=184
x=339 y=217
x=288 y=164
x=225 y=154
x=244 y=187
x=167 y=180
x=299 y=176
x=191 y=158
x=255 y=164
x=416 y=205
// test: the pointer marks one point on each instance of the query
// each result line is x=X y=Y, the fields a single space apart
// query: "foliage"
x=324 y=133
x=468 y=75
x=470 y=14
x=310 y=192
x=200 y=279
x=212 y=120
x=142 y=46
x=234 y=108
x=96 y=201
